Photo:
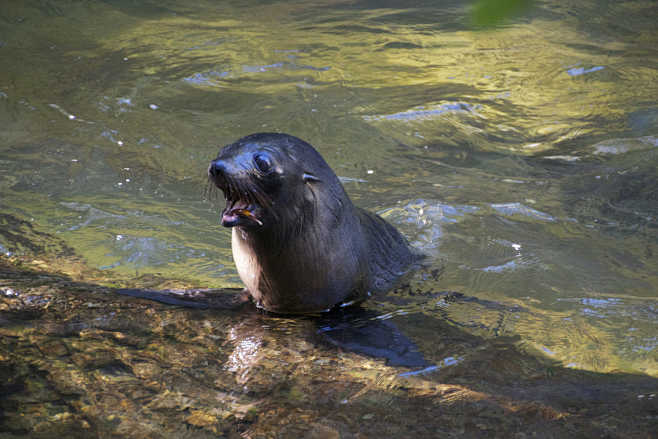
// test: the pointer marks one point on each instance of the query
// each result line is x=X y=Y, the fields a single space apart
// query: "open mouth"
x=239 y=213
x=244 y=198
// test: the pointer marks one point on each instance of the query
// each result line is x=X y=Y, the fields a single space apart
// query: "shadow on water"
x=352 y=328
x=78 y=360
x=365 y=332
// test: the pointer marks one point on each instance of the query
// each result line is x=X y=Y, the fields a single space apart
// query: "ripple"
x=427 y=218
x=68 y=115
x=423 y=113
x=622 y=146
x=511 y=209
x=351 y=180
x=282 y=65
x=448 y=361
x=577 y=71
x=207 y=78
x=511 y=265
x=92 y=214
x=566 y=158
x=213 y=78
x=147 y=251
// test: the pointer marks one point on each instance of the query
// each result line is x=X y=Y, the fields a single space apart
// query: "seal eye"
x=263 y=163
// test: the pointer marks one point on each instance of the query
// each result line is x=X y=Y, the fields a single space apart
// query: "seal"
x=299 y=244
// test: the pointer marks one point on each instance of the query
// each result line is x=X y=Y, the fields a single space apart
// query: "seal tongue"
x=237 y=210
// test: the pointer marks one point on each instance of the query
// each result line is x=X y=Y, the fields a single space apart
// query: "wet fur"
x=315 y=249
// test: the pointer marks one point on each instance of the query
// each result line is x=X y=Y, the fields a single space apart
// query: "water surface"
x=521 y=158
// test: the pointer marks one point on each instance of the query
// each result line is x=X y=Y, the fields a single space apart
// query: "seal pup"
x=298 y=242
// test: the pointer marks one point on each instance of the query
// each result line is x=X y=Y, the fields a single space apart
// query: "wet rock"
x=68 y=381
x=53 y=348
x=171 y=400
x=200 y=418
x=146 y=369
x=116 y=368
x=319 y=431
x=90 y=358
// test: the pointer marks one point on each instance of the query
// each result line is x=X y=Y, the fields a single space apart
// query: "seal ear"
x=310 y=178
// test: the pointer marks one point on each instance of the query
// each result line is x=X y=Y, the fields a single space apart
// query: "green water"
x=522 y=158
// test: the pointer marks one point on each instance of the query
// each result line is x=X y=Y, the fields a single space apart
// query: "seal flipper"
x=223 y=298
x=390 y=255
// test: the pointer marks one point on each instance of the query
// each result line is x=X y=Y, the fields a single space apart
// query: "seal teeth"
x=236 y=191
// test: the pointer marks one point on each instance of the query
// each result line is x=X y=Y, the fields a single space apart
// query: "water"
x=521 y=158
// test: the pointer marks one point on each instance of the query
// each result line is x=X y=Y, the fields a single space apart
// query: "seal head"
x=299 y=244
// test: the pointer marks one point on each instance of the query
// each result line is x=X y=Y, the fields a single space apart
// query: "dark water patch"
x=400 y=45
x=148 y=9
x=339 y=29
x=20 y=236
x=594 y=48
x=644 y=122
x=619 y=191
x=116 y=369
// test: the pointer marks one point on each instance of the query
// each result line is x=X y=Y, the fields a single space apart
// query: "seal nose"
x=217 y=169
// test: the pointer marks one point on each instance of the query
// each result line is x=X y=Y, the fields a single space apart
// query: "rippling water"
x=521 y=158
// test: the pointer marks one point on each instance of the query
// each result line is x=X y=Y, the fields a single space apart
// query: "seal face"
x=299 y=244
